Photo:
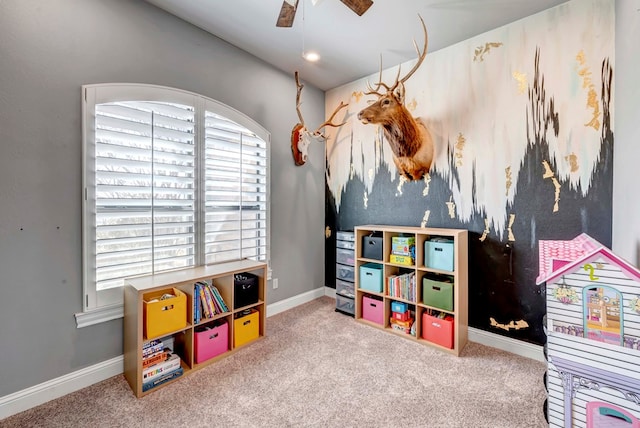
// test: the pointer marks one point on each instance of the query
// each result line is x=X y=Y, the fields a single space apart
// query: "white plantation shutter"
x=235 y=191
x=172 y=180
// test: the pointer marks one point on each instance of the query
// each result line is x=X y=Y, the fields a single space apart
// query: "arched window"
x=172 y=179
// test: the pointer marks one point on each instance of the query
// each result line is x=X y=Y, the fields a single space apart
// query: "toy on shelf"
x=593 y=326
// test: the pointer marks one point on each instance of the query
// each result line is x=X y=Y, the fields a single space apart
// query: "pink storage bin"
x=212 y=342
x=373 y=310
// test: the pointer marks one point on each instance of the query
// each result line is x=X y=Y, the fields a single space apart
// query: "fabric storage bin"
x=371 y=277
x=345 y=288
x=345 y=273
x=437 y=293
x=246 y=327
x=372 y=247
x=344 y=257
x=438 y=254
x=164 y=311
x=373 y=310
x=245 y=289
x=211 y=342
x=345 y=304
x=437 y=330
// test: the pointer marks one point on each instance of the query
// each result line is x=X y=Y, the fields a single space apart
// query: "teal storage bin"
x=438 y=293
x=438 y=254
x=371 y=277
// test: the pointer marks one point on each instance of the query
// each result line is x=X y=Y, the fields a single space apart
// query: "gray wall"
x=626 y=152
x=48 y=49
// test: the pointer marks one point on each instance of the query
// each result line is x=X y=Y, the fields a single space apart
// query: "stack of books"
x=159 y=364
x=207 y=301
x=403 y=286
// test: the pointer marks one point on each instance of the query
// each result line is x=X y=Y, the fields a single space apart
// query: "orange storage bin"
x=164 y=315
x=246 y=328
x=438 y=330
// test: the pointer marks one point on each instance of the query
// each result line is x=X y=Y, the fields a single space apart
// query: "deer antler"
x=421 y=57
x=329 y=122
x=299 y=87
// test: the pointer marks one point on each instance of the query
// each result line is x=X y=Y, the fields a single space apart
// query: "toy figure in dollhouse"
x=602 y=314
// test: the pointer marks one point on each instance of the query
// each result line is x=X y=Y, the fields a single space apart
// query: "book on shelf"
x=219 y=299
x=170 y=363
x=152 y=347
x=162 y=379
x=206 y=309
x=197 y=312
x=209 y=300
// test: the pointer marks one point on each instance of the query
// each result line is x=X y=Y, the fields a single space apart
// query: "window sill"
x=99 y=315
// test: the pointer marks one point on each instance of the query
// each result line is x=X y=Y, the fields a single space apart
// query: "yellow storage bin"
x=164 y=311
x=246 y=328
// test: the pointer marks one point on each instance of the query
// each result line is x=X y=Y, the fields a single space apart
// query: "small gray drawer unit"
x=345 y=260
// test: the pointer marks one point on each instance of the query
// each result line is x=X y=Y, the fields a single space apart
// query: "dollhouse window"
x=603 y=314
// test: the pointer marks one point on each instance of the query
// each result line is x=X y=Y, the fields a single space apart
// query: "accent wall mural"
x=521 y=124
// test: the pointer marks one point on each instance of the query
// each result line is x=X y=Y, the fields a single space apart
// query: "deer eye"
x=386 y=102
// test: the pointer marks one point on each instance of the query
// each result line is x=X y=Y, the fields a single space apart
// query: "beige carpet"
x=319 y=368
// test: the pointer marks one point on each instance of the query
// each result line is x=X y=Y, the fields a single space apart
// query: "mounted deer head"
x=301 y=137
x=408 y=137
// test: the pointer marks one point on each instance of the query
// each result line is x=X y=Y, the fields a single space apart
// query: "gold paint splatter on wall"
x=451 y=206
x=365 y=200
x=521 y=78
x=411 y=105
x=592 y=96
x=401 y=182
x=357 y=95
x=512 y=218
x=425 y=219
x=556 y=184
x=460 y=142
x=427 y=182
x=327 y=232
x=486 y=231
x=515 y=325
x=573 y=161
x=481 y=51
x=507 y=172
x=548 y=173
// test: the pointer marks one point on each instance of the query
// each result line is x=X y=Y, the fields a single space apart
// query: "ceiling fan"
x=288 y=10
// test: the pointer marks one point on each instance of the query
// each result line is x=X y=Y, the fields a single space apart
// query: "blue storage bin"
x=371 y=277
x=438 y=254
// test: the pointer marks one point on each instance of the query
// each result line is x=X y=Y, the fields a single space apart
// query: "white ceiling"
x=350 y=45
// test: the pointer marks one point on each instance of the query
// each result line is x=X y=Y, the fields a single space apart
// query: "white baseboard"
x=292 y=302
x=63 y=385
x=508 y=344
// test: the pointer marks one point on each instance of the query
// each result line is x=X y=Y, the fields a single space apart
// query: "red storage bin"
x=437 y=330
x=212 y=342
x=373 y=310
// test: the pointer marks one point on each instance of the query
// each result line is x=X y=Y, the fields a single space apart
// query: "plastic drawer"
x=347 y=245
x=345 y=257
x=345 y=273
x=345 y=304
x=345 y=288
x=345 y=236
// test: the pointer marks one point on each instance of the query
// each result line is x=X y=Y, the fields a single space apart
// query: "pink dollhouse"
x=593 y=325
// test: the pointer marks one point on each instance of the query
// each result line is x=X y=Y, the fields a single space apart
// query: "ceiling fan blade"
x=358 y=6
x=287 y=13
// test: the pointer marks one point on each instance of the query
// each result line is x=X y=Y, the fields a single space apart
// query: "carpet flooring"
x=319 y=368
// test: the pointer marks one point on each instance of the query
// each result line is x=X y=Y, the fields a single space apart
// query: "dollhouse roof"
x=559 y=257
